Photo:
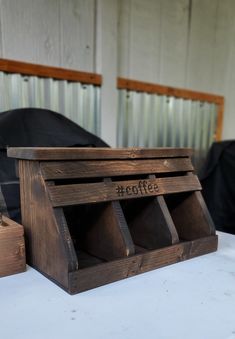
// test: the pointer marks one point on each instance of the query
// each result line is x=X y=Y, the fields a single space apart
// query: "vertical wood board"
x=30 y=31
x=77 y=19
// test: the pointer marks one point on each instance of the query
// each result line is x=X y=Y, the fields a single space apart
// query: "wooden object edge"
x=25 y=68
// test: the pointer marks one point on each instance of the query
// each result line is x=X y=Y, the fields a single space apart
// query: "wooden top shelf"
x=70 y=153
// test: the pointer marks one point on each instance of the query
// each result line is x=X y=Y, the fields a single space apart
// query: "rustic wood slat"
x=25 y=68
x=105 y=273
x=65 y=195
x=46 y=239
x=65 y=153
x=107 y=168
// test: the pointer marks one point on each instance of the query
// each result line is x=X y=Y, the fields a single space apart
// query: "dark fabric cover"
x=218 y=181
x=34 y=127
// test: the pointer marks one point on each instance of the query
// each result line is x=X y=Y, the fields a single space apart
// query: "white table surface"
x=194 y=299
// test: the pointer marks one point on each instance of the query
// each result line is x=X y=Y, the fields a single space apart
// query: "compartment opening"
x=68 y=181
x=79 y=220
x=149 y=222
x=99 y=232
x=189 y=215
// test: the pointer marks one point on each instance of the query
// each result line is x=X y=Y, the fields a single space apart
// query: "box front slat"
x=65 y=195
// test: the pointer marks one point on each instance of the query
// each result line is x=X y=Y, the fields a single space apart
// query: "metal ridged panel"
x=150 y=120
x=78 y=102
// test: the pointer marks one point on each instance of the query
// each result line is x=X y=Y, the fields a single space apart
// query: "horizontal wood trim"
x=25 y=68
x=47 y=153
x=107 y=168
x=139 y=86
x=66 y=195
x=105 y=273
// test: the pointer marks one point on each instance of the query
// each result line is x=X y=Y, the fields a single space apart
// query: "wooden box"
x=96 y=215
x=12 y=249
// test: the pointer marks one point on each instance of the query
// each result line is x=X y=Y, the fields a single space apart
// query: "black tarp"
x=34 y=127
x=218 y=181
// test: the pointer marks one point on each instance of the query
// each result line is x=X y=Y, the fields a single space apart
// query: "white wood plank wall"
x=184 y=43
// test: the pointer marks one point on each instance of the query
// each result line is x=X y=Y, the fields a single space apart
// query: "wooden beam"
x=139 y=86
x=25 y=68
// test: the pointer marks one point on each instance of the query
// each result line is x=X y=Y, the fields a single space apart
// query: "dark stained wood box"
x=96 y=215
x=12 y=248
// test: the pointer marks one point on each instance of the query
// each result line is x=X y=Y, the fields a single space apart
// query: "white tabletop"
x=194 y=299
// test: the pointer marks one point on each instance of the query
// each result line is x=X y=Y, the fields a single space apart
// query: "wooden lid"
x=72 y=153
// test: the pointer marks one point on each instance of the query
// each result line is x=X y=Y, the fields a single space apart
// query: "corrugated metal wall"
x=151 y=120
x=182 y=43
x=78 y=102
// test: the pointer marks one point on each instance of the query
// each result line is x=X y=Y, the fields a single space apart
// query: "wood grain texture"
x=190 y=216
x=139 y=86
x=150 y=223
x=105 y=273
x=106 y=168
x=66 y=195
x=46 y=248
x=58 y=153
x=12 y=66
x=12 y=248
x=108 y=236
x=66 y=239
